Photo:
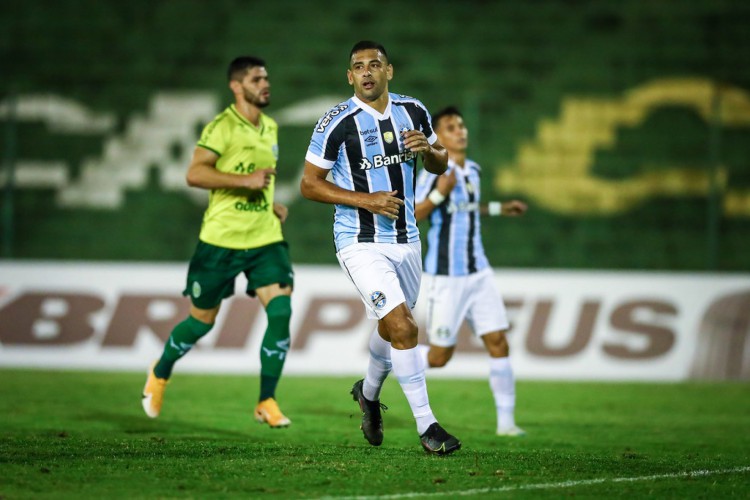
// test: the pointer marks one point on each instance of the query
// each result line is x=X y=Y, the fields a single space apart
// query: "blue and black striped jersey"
x=454 y=241
x=365 y=152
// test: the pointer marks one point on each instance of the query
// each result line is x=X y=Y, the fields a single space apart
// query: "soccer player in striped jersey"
x=458 y=278
x=371 y=144
x=235 y=159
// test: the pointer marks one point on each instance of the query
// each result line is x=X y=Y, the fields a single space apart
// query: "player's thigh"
x=267 y=266
x=374 y=276
x=210 y=277
x=486 y=310
x=408 y=260
x=446 y=308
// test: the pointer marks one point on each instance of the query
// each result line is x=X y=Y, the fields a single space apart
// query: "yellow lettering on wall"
x=555 y=169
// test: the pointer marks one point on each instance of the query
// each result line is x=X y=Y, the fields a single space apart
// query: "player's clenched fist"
x=260 y=179
x=415 y=140
x=384 y=203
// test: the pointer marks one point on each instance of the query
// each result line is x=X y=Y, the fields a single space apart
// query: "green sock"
x=183 y=337
x=275 y=345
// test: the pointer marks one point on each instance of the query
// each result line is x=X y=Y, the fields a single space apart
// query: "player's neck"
x=380 y=104
x=458 y=157
x=249 y=111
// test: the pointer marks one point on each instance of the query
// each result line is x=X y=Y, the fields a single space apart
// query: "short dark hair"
x=239 y=66
x=447 y=111
x=367 y=44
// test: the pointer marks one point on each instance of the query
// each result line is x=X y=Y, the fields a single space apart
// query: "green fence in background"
x=624 y=125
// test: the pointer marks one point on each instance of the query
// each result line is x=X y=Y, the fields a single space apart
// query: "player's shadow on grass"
x=132 y=424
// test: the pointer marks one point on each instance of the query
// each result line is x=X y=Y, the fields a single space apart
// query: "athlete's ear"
x=389 y=71
x=350 y=77
x=235 y=86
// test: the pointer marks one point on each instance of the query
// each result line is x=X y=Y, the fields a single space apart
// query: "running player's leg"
x=208 y=283
x=489 y=320
x=367 y=267
x=446 y=308
x=407 y=363
x=270 y=277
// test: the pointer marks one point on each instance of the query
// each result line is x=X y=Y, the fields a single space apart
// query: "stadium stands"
x=548 y=86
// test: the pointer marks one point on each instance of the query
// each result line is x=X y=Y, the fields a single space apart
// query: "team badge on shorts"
x=378 y=299
x=196 y=289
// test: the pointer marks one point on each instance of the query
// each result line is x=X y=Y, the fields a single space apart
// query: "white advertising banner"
x=566 y=325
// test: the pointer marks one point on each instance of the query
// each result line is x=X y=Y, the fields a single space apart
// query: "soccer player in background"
x=235 y=159
x=371 y=144
x=459 y=280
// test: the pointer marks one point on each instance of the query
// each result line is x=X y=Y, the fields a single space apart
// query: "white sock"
x=504 y=391
x=407 y=366
x=424 y=349
x=378 y=368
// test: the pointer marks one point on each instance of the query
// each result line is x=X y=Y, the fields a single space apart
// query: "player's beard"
x=256 y=100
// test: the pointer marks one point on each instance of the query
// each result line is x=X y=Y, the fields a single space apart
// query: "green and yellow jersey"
x=240 y=218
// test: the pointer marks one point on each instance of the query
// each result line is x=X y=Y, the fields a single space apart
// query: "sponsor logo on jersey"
x=371 y=140
x=379 y=161
x=462 y=207
x=378 y=299
x=256 y=202
x=196 y=289
x=364 y=164
x=368 y=131
x=326 y=120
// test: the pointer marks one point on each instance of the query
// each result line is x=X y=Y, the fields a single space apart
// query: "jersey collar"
x=247 y=122
x=372 y=111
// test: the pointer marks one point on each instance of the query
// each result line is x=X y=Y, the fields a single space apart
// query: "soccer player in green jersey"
x=235 y=159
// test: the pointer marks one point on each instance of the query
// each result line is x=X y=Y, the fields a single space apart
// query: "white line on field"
x=544 y=486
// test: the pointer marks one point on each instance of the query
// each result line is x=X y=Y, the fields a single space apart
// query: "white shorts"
x=385 y=274
x=450 y=299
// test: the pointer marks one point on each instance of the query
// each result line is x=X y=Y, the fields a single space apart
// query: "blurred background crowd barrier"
x=624 y=125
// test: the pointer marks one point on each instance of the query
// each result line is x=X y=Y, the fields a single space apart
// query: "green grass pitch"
x=83 y=435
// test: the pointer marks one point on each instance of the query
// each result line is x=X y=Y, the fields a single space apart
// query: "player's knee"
x=279 y=307
x=403 y=332
x=438 y=360
x=497 y=345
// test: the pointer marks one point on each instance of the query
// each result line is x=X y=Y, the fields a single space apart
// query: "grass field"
x=83 y=435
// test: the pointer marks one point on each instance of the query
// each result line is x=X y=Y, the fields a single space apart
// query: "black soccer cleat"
x=436 y=440
x=372 y=421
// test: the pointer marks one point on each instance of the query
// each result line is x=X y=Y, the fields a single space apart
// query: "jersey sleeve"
x=326 y=140
x=426 y=124
x=425 y=183
x=215 y=136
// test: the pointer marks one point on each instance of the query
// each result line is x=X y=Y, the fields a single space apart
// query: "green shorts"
x=213 y=269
